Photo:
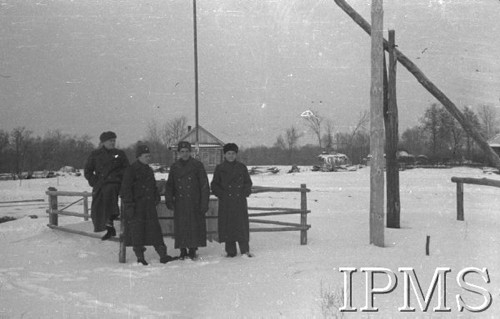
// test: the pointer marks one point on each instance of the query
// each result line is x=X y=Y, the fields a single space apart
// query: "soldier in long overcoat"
x=187 y=192
x=140 y=197
x=232 y=185
x=104 y=170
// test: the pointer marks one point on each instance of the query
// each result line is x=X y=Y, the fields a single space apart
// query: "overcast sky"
x=90 y=66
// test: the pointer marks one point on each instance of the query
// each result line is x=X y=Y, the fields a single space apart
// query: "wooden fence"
x=302 y=226
x=166 y=216
x=460 y=190
x=54 y=211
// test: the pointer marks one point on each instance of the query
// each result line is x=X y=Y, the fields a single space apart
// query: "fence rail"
x=54 y=211
x=165 y=216
x=460 y=181
x=275 y=211
x=21 y=201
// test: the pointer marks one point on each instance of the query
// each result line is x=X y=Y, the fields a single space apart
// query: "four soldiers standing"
x=187 y=194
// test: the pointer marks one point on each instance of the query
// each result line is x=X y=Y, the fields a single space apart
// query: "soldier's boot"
x=139 y=253
x=110 y=232
x=162 y=252
x=183 y=254
x=192 y=253
x=244 y=248
x=230 y=247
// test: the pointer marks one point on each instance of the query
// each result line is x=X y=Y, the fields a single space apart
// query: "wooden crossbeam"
x=298 y=210
x=476 y=181
x=273 y=229
x=289 y=212
x=272 y=222
x=262 y=189
x=71 y=204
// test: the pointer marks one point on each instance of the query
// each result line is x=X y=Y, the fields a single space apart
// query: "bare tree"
x=289 y=142
x=473 y=121
x=363 y=120
x=50 y=148
x=173 y=130
x=280 y=142
x=154 y=140
x=489 y=120
x=430 y=125
x=4 y=144
x=328 y=137
x=4 y=140
x=20 y=138
x=452 y=134
x=292 y=137
x=313 y=121
x=355 y=142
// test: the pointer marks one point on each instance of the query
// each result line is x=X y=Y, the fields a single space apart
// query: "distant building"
x=210 y=147
x=494 y=143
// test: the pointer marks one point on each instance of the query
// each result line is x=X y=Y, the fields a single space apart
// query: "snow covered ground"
x=46 y=273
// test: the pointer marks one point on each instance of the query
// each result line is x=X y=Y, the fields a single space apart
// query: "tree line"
x=21 y=151
x=437 y=135
x=442 y=139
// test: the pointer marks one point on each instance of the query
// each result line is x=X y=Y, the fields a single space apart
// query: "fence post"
x=53 y=217
x=86 y=207
x=303 y=214
x=122 y=255
x=460 y=201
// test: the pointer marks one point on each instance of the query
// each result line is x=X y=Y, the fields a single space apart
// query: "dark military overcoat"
x=140 y=196
x=104 y=170
x=232 y=184
x=187 y=191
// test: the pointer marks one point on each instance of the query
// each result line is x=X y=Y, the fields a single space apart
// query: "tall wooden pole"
x=429 y=86
x=377 y=126
x=195 y=35
x=391 y=146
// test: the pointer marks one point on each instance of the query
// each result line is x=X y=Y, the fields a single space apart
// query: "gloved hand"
x=170 y=205
x=203 y=210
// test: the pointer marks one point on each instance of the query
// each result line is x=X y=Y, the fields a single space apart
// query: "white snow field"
x=46 y=273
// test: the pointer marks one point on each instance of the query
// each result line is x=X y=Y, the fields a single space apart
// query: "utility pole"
x=195 y=36
x=377 y=135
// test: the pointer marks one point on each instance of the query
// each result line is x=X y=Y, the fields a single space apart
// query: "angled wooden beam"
x=428 y=85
